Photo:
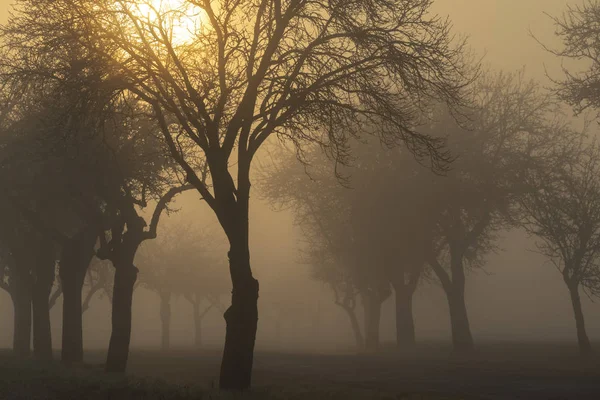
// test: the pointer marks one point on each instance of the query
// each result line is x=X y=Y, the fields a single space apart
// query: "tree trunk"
x=358 y=336
x=75 y=259
x=405 y=325
x=585 y=347
x=72 y=327
x=125 y=277
x=197 y=324
x=165 y=319
x=44 y=280
x=241 y=319
x=22 y=314
x=42 y=333
x=372 y=306
x=462 y=339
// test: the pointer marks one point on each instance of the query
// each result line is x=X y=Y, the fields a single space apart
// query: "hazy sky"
x=499 y=27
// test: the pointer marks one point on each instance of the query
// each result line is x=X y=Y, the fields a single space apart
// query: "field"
x=498 y=372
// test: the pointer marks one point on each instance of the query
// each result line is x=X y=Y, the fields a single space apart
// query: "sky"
x=500 y=29
x=516 y=279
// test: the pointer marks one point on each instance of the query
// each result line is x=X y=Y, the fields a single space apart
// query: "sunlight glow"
x=182 y=19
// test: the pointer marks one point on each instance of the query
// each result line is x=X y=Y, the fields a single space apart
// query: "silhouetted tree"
x=92 y=135
x=562 y=210
x=181 y=263
x=386 y=202
x=578 y=29
x=512 y=123
x=343 y=287
x=307 y=71
x=338 y=244
x=99 y=280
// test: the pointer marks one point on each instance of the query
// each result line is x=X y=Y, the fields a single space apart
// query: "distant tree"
x=99 y=280
x=310 y=72
x=85 y=152
x=342 y=285
x=337 y=244
x=579 y=30
x=392 y=231
x=512 y=125
x=562 y=210
x=182 y=263
x=364 y=238
x=28 y=277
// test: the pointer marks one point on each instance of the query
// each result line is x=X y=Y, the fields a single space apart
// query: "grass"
x=498 y=371
x=30 y=380
x=33 y=381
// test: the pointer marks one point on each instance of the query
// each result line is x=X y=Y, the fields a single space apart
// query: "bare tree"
x=341 y=232
x=512 y=125
x=99 y=173
x=562 y=210
x=182 y=263
x=310 y=72
x=342 y=284
x=579 y=29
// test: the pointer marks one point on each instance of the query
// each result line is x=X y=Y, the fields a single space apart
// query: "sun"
x=182 y=19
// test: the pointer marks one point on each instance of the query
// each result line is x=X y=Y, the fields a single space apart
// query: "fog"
x=518 y=295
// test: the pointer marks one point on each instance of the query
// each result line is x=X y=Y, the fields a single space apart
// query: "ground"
x=493 y=372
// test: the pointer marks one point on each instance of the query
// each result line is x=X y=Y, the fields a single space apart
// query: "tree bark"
x=44 y=280
x=125 y=278
x=22 y=314
x=585 y=347
x=372 y=306
x=462 y=339
x=405 y=325
x=75 y=259
x=165 y=319
x=241 y=321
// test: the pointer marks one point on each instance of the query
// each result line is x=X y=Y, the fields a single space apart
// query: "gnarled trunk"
x=75 y=260
x=585 y=347
x=242 y=321
x=165 y=319
x=42 y=287
x=125 y=278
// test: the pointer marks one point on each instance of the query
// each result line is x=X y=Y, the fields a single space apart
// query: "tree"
x=99 y=279
x=92 y=135
x=343 y=287
x=181 y=263
x=512 y=125
x=562 y=210
x=30 y=244
x=310 y=72
x=578 y=29
x=342 y=231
